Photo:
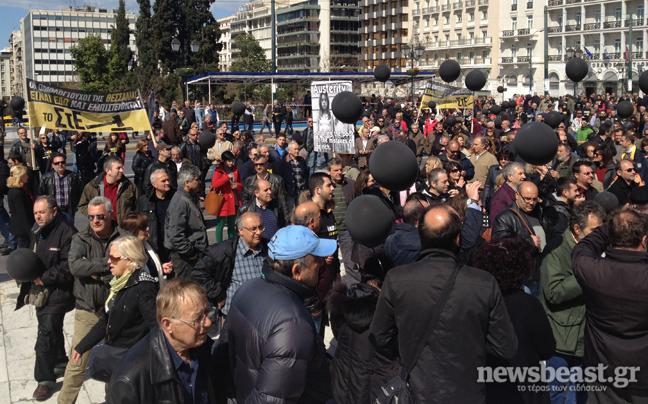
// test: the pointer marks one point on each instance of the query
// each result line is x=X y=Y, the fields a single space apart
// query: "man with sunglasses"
x=227 y=265
x=625 y=182
x=453 y=153
x=89 y=265
x=64 y=185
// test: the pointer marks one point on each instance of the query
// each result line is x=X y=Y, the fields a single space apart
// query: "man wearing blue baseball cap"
x=272 y=339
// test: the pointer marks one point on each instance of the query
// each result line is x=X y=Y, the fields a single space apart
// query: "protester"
x=21 y=202
x=227 y=182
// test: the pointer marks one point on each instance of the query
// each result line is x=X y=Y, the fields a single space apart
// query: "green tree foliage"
x=189 y=20
x=120 y=53
x=251 y=58
x=146 y=71
x=91 y=62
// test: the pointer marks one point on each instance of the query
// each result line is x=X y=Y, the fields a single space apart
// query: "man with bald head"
x=473 y=321
x=524 y=218
x=625 y=182
x=308 y=215
x=404 y=244
x=267 y=207
x=227 y=265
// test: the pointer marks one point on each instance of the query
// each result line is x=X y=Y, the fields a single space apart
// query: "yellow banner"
x=65 y=109
x=446 y=96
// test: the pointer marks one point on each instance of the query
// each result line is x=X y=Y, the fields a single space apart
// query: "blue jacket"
x=404 y=244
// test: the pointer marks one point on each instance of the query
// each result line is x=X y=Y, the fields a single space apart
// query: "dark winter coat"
x=53 y=243
x=404 y=244
x=126 y=195
x=277 y=355
x=146 y=204
x=131 y=317
x=473 y=322
x=21 y=207
x=141 y=160
x=358 y=371
x=171 y=169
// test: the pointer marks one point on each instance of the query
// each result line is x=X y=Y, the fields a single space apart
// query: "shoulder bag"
x=398 y=390
x=214 y=201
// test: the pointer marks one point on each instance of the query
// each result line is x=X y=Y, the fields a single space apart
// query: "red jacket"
x=221 y=181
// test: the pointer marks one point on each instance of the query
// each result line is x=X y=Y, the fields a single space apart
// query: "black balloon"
x=382 y=73
x=625 y=109
x=432 y=105
x=498 y=122
x=451 y=121
x=368 y=219
x=505 y=105
x=486 y=111
x=576 y=69
x=238 y=108
x=528 y=97
x=500 y=89
x=394 y=166
x=643 y=82
x=207 y=139
x=495 y=109
x=17 y=103
x=553 y=119
x=347 y=107
x=24 y=265
x=475 y=80
x=449 y=70
x=536 y=143
x=607 y=200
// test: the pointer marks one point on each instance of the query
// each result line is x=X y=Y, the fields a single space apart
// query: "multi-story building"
x=225 y=55
x=319 y=35
x=521 y=53
x=600 y=31
x=253 y=18
x=460 y=29
x=6 y=87
x=385 y=28
x=17 y=65
x=49 y=34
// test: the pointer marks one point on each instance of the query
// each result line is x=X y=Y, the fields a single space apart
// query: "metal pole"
x=530 y=71
x=546 y=47
x=273 y=28
x=630 y=54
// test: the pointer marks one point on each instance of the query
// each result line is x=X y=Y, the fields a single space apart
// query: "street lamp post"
x=413 y=53
x=574 y=53
x=185 y=72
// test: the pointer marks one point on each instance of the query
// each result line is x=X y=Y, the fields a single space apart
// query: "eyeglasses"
x=255 y=228
x=200 y=321
x=99 y=217
x=529 y=199
x=59 y=163
x=588 y=173
x=114 y=260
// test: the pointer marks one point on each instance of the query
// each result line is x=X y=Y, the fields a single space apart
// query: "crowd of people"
x=517 y=249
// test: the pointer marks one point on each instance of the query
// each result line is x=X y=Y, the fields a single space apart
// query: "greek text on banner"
x=66 y=109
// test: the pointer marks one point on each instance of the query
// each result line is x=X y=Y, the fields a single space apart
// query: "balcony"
x=635 y=22
x=637 y=55
x=416 y=12
x=555 y=3
x=553 y=30
x=508 y=34
x=572 y=1
x=507 y=60
x=457 y=5
x=470 y=3
x=572 y=27
x=523 y=59
x=482 y=2
x=612 y=24
x=529 y=5
x=514 y=7
x=445 y=7
x=555 y=58
x=524 y=31
x=595 y=56
x=434 y=9
x=615 y=55
x=591 y=26
x=426 y=10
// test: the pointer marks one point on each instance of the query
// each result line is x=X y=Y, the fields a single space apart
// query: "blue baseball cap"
x=295 y=242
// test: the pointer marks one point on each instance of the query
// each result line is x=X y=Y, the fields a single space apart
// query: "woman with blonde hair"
x=143 y=157
x=21 y=205
x=129 y=312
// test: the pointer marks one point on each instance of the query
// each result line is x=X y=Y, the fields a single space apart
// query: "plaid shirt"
x=247 y=265
x=62 y=186
x=299 y=176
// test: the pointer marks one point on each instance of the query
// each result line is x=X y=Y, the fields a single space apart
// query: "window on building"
x=597 y=16
x=617 y=45
x=513 y=51
x=617 y=14
x=485 y=15
x=529 y=21
x=471 y=16
x=514 y=23
x=579 y=17
x=639 y=44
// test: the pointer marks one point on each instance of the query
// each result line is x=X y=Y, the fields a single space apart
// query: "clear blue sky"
x=11 y=11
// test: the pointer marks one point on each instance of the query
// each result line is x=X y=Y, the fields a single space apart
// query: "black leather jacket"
x=277 y=185
x=47 y=187
x=147 y=374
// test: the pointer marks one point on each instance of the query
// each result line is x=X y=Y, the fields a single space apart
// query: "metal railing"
x=612 y=24
x=445 y=7
x=552 y=30
x=508 y=33
x=524 y=31
x=416 y=12
x=592 y=25
x=507 y=60
x=572 y=27
x=470 y=3
x=554 y=3
x=523 y=59
x=457 y=5
x=635 y=22
x=555 y=58
x=482 y=2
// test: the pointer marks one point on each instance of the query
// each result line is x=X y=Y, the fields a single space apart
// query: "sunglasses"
x=58 y=163
x=629 y=170
x=259 y=164
x=99 y=217
x=456 y=170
